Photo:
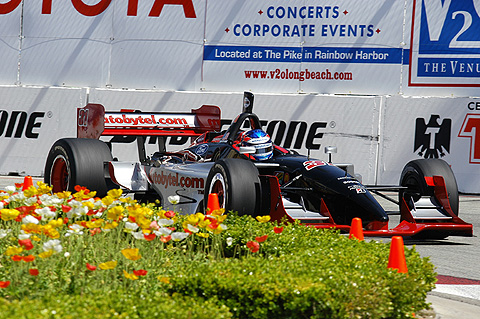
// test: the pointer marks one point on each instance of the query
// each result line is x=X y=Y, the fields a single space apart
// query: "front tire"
x=237 y=185
x=77 y=161
x=413 y=176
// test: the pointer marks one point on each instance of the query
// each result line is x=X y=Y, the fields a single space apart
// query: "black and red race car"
x=249 y=174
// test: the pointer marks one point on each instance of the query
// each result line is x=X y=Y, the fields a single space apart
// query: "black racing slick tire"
x=77 y=161
x=237 y=185
x=414 y=173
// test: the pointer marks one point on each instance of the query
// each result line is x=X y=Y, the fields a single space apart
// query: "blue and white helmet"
x=261 y=142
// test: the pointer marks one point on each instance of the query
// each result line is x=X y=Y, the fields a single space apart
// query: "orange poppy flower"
x=140 y=272
x=253 y=246
x=26 y=243
x=91 y=267
x=261 y=239
x=149 y=237
x=4 y=284
x=33 y=272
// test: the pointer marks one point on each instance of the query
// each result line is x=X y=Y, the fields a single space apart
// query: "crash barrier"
x=378 y=135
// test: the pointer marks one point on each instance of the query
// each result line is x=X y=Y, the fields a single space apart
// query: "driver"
x=262 y=143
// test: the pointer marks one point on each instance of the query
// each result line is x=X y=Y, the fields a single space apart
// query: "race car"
x=249 y=174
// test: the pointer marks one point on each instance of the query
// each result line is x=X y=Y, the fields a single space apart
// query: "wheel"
x=77 y=161
x=237 y=185
x=413 y=176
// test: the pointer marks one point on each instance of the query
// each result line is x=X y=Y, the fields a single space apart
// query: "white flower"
x=192 y=228
x=165 y=222
x=4 y=233
x=174 y=199
x=229 y=241
x=178 y=236
x=29 y=219
x=162 y=231
x=75 y=229
x=53 y=244
x=10 y=189
x=50 y=200
x=1 y=205
x=67 y=254
x=23 y=235
x=131 y=226
x=46 y=213
x=138 y=235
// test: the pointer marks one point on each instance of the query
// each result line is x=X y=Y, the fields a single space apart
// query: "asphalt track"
x=457 y=260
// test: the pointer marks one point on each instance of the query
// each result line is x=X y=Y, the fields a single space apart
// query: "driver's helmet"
x=261 y=141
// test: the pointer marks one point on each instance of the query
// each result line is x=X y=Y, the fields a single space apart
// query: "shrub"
x=73 y=255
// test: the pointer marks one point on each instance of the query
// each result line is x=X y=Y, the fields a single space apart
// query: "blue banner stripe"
x=305 y=54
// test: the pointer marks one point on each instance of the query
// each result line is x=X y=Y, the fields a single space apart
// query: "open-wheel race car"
x=249 y=173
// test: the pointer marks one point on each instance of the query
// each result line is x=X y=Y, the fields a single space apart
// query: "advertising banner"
x=31 y=120
x=445 y=128
x=304 y=46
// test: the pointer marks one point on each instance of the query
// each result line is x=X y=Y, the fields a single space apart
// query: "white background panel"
x=57 y=117
x=9 y=46
x=398 y=138
x=64 y=62
x=148 y=65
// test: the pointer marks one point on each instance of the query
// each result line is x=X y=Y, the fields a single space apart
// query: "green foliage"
x=243 y=269
x=115 y=304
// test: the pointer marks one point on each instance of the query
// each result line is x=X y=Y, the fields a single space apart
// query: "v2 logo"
x=445 y=44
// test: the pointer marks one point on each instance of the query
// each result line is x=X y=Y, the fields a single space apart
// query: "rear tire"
x=237 y=185
x=413 y=176
x=77 y=161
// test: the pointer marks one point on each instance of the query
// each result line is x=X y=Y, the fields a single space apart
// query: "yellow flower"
x=218 y=212
x=115 y=193
x=130 y=276
x=32 y=228
x=115 y=213
x=108 y=265
x=9 y=214
x=95 y=224
x=110 y=226
x=143 y=222
x=51 y=232
x=43 y=188
x=165 y=280
x=63 y=195
x=35 y=238
x=46 y=254
x=30 y=192
x=88 y=204
x=263 y=219
x=108 y=200
x=131 y=253
x=204 y=235
x=11 y=250
x=56 y=223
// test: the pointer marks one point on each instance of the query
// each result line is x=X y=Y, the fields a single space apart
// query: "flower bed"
x=75 y=255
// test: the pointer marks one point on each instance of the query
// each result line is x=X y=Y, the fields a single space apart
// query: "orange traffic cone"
x=27 y=182
x=396 y=260
x=213 y=203
x=356 y=229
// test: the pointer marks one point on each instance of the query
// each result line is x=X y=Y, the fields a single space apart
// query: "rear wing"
x=93 y=122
